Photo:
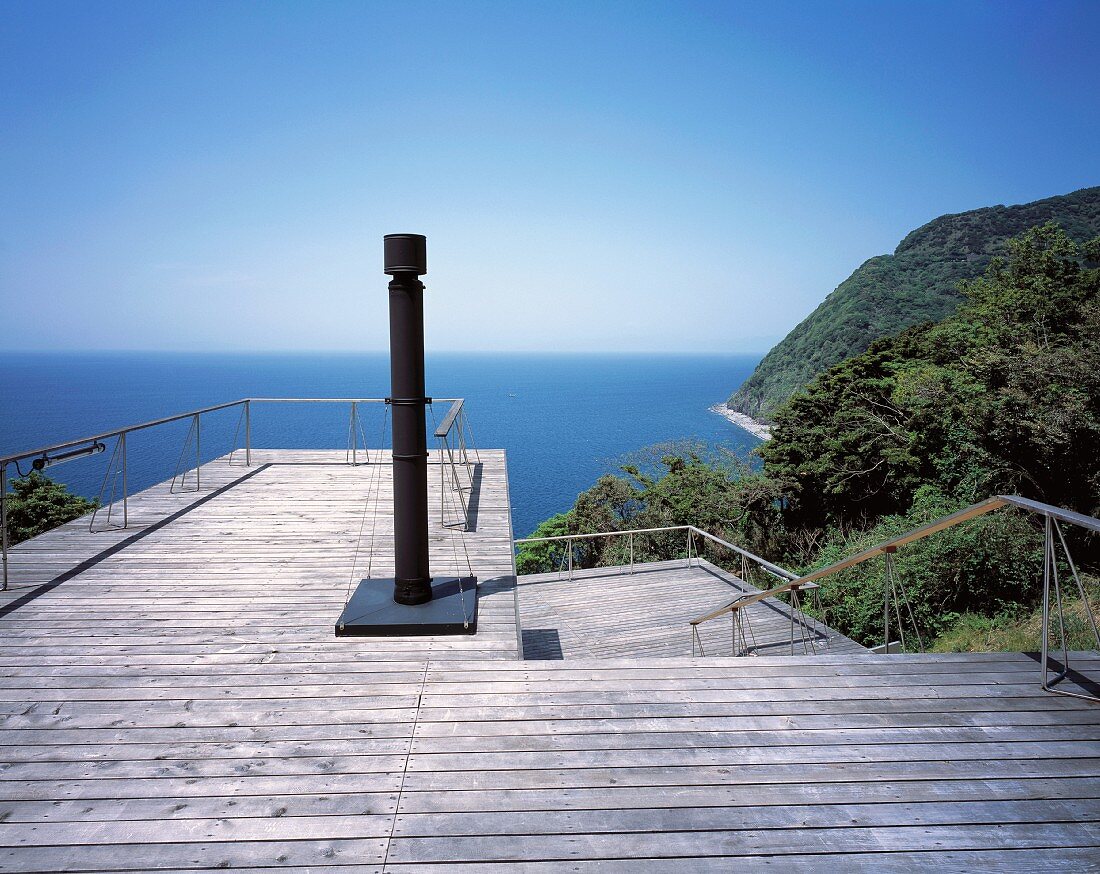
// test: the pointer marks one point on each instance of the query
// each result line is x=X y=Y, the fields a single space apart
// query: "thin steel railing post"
x=689 y=547
x=1047 y=550
x=4 y=520
x=248 y=433
x=569 y=545
x=125 y=490
x=115 y=453
x=462 y=442
x=464 y=456
x=354 y=436
x=886 y=605
x=1061 y=610
x=1080 y=587
x=630 y=538
x=198 y=453
x=477 y=452
x=794 y=607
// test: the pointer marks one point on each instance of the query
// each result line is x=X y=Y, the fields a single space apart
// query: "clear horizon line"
x=381 y=351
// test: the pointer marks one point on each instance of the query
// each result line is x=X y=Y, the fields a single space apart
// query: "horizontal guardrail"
x=764 y=564
x=56 y=452
x=117 y=432
x=129 y=429
x=774 y=569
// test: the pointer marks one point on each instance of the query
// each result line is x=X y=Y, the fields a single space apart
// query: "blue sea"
x=564 y=419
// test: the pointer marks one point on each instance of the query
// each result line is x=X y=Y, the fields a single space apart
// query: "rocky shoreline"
x=748 y=423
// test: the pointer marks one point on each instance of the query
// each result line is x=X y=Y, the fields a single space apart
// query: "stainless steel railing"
x=454 y=460
x=691 y=532
x=452 y=434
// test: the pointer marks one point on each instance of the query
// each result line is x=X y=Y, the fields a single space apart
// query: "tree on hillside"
x=1034 y=345
x=37 y=504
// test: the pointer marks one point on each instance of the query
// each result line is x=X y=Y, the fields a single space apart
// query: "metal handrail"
x=456 y=413
x=318 y=400
x=773 y=569
x=129 y=429
x=887 y=546
x=751 y=598
x=454 y=456
x=445 y=426
x=691 y=530
x=593 y=534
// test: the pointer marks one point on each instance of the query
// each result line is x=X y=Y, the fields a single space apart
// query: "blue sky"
x=591 y=176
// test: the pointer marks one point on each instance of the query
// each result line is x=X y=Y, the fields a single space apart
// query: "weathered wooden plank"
x=163 y=809
x=855 y=739
x=221 y=854
x=380 y=763
x=237 y=828
x=726 y=795
x=733 y=843
x=746 y=725
x=545 y=760
x=240 y=784
x=627 y=820
x=1054 y=860
x=696 y=774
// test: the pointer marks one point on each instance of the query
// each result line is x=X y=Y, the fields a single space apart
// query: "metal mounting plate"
x=372 y=612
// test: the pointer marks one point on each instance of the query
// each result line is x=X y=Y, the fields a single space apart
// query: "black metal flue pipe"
x=405 y=262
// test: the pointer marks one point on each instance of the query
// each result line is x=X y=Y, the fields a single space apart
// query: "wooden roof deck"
x=181 y=704
x=262 y=554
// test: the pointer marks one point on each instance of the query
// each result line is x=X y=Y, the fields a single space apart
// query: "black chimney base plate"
x=372 y=612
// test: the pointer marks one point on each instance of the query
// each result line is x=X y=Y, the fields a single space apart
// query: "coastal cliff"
x=918 y=283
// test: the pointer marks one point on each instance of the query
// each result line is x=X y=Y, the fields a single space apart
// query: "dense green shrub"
x=986 y=566
x=38 y=504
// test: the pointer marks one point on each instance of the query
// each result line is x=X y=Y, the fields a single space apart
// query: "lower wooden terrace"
x=172 y=698
x=645 y=611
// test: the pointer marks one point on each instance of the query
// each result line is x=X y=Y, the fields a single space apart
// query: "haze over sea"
x=564 y=419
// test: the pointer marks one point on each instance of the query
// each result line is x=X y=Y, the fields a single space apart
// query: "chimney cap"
x=405 y=253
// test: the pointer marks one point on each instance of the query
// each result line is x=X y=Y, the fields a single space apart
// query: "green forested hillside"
x=918 y=283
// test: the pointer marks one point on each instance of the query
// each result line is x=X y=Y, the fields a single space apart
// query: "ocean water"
x=564 y=419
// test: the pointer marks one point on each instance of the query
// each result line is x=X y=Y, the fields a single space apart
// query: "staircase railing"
x=1053 y=517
